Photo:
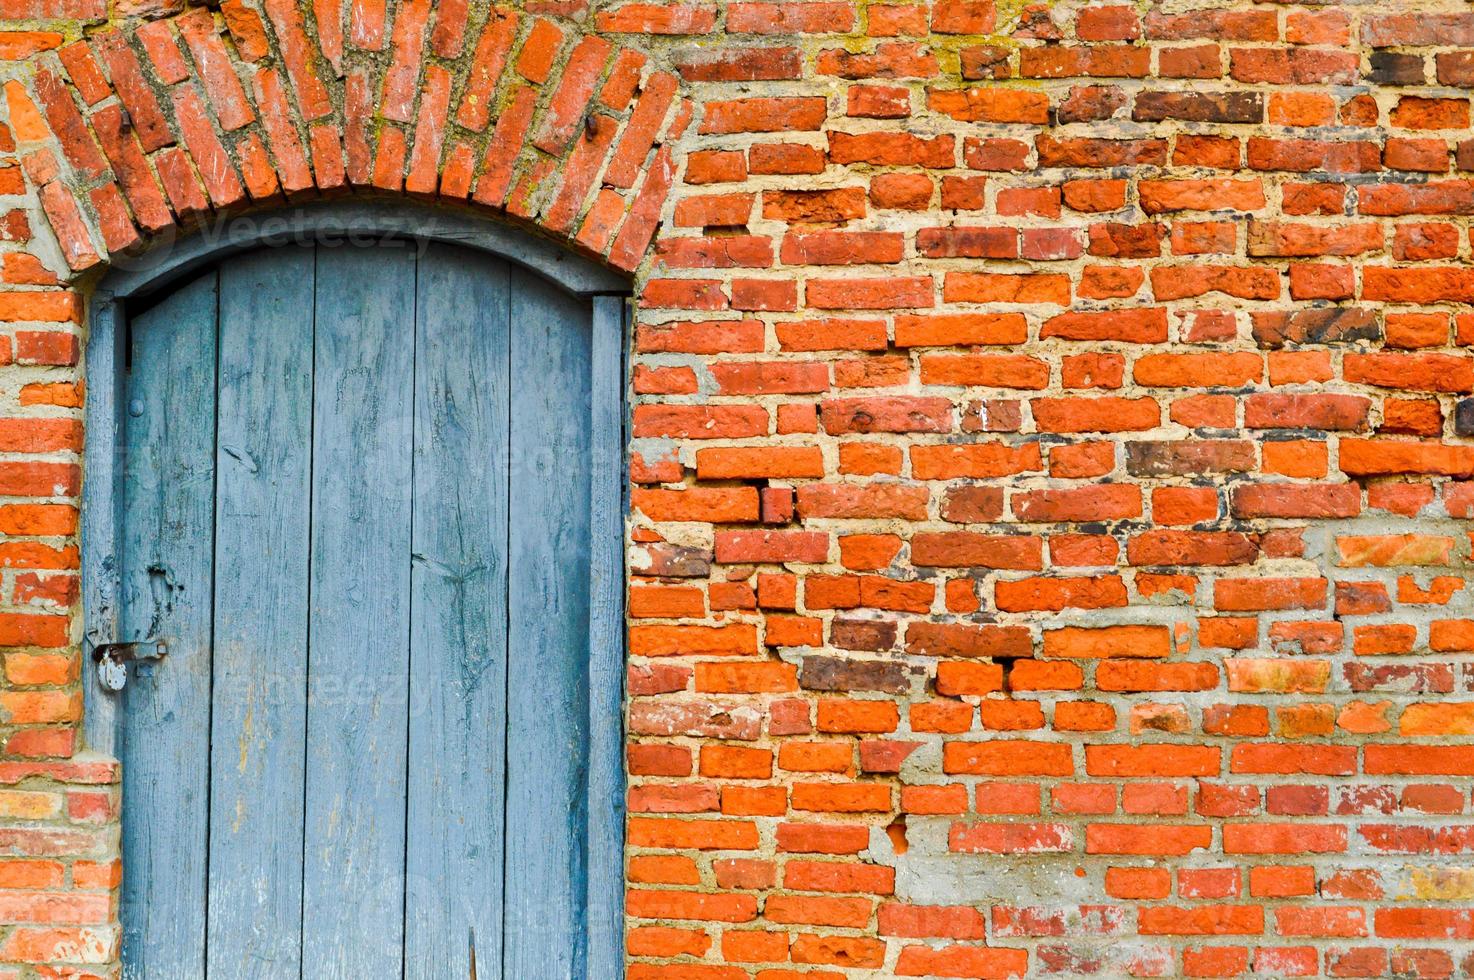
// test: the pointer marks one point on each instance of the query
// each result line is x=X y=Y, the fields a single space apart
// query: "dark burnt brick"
x=1189 y=457
x=1391 y=68
x=1330 y=325
x=1220 y=107
x=862 y=634
x=845 y=674
x=1464 y=417
x=971 y=243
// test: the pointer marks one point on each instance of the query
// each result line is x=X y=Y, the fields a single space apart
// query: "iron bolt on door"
x=112 y=659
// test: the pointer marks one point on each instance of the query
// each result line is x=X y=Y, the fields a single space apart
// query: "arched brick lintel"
x=128 y=136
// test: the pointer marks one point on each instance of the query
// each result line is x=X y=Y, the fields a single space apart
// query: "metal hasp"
x=112 y=660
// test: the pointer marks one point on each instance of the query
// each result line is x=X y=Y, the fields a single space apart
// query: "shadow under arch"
x=174 y=256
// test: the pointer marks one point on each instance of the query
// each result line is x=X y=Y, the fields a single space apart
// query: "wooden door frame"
x=608 y=291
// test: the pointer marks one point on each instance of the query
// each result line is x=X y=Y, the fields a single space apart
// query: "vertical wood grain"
x=359 y=613
x=102 y=517
x=458 y=641
x=606 y=671
x=168 y=514
x=263 y=487
x=548 y=722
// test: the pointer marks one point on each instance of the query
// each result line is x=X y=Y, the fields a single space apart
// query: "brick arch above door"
x=138 y=132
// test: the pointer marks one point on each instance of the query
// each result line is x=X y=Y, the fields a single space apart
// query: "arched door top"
x=340 y=223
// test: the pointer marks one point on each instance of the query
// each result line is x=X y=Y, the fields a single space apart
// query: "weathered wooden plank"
x=102 y=514
x=168 y=509
x=548 y=632
x=606 y=665
x=458 y=641
x=259 y=712
x=358 y=671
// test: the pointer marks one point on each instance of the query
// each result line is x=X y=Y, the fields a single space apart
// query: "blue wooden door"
x=356 y=504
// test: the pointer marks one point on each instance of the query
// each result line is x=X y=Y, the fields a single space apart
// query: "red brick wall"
x=1049 y=533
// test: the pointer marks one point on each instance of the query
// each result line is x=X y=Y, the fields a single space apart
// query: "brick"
x=539 y=50
x=223 y=86
x=407 y=41
x=970 y=641
x=1135 y=326
x=581 y=170
x=996 y=105
x=489 y=58
x=1011 y=838
x=796 y=18
x=1217 y=920
x=1182 y=459
x=134 y=91
x=1162 y=839
x=132 y=169
x=65 y=121
x=566 y=110
x=966 y=549
x=1418 y=372
x=1007 y=758
x=1198 y=370
x=658 y=19
x=213 y=163
x=739 y=65
x=760 y=115
x=650 y=111
x=1265 y=838
x=961 y=961
x=163 y=51
x=1058 y=594
x=1132 y=675
x=70 y=228
x=886 y=414
x=639 y=227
